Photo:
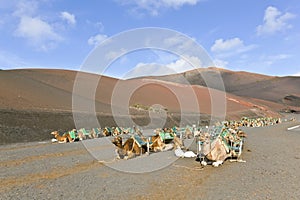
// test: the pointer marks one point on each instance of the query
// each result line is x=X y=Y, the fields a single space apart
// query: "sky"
x=249 y=35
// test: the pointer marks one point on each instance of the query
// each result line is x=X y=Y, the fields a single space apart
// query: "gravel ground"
x=41 y=170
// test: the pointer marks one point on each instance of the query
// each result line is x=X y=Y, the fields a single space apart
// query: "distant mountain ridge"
x=245 y=84
x=51 y=89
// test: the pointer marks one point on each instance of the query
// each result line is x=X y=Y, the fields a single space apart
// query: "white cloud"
x=148 y=69
x=70 y=18
x=178 y=41
x=26 y=8
x=112 y=55
x=154 y=6
x=227 y=45
x=220 y=63
x=164 y=57
x=226 y=48
x=38 y=32
x=157 y=69
x=179 y=65
x=192 y=61
x=174 y=3
x=274 y=21
x=97 y=39
x=183 y=45
x=270 y=60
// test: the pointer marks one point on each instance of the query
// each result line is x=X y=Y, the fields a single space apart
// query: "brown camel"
x=62 y=139
x=129 y=149
x=221 y=148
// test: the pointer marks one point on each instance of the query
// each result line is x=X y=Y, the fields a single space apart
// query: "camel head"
x=157 y=131
x=54 y=133
x=117 y=141
x=241 y=134
x=116 y=131
x=178 y=143
x=106 y=131
x=204 y=137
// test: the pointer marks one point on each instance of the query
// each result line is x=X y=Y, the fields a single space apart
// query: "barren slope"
x=245 y=84
x=52 y=90
x=34 y=102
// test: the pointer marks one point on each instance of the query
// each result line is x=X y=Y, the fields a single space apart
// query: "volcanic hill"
x=34 y=102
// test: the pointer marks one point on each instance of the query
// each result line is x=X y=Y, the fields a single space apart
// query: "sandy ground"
x=41 y=170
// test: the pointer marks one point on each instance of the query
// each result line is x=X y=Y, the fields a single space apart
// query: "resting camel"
x=162 y=145
x=62 y=139
x=127 y=150
x=188 y=133
x=137 y=145
x=117 y=131
x=157 y=144
x=221 y=148
x=106 y=132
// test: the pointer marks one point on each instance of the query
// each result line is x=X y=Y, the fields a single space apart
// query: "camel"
x=223 y=147
x=241 y=134
x=106 y=131
x=138 y=145
x=137 y=131
x=157 y=144
x=126 y=130
x=62 y=139
x=129 y=149
x=96 y=132
x=259 y=122
x=178 y=143
x=188 y=133
x=117 y=131
x=84 y=134
x=172 y=139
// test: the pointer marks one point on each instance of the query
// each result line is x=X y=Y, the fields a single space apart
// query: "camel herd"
x=257 y=122
x=83 y=134
x=214 y=144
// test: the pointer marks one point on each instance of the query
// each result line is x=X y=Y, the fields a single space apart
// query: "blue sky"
x=249 y=35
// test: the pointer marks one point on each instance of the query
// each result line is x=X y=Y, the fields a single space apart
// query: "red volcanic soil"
x=53 y=90
x=231 y=80
x=34 y=102
x=270 y=88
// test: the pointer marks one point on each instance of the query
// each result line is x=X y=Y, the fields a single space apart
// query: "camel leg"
x=64 y=141
x=239 y=154
x=217 y=163
x=70 y=139
x=237 y=160
x=117 y=153
x=129 y=155
x=203 y=163
x=80 y=136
